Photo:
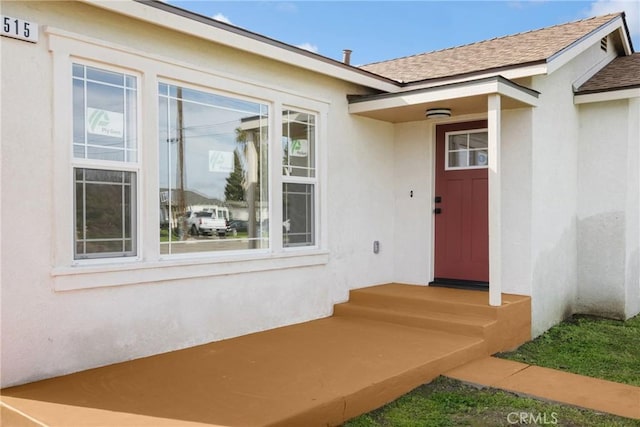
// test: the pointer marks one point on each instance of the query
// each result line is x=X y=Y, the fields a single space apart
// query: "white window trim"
x=149 y=266
x=446 y=150
x=218 y=91
x=124 y=166
x=315 y=181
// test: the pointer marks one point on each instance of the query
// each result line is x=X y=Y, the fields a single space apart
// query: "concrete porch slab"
x=317 y=373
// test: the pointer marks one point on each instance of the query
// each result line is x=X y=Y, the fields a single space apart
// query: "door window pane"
x=467 y=150
x=457 y=142
x=478 y=158
x=458 y=159
x=478 y=141
x=213 y=158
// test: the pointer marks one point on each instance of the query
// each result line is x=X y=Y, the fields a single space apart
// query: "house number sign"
x=19 y=29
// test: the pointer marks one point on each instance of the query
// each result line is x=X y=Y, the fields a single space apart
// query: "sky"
x=380 y=30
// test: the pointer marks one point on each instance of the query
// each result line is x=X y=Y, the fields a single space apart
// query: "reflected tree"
x=234 y=190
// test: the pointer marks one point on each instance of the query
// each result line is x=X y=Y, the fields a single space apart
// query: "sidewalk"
x=550 y=384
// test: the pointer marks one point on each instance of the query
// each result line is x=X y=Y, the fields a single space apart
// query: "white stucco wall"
x=553 y=201
x=557 y=236
x=632 y=279
x=516 y=140
x=48 y=332
x=608 y=209
x=602 y=217
x=413 y=235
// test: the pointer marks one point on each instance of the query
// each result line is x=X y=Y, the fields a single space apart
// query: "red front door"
x=461 y=215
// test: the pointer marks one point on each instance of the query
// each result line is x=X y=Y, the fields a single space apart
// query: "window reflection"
x=299 y=178
x=213 y=158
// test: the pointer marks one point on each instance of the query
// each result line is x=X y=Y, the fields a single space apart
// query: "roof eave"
x=180 y=20
x=510 y=72
x=485 y=86
x=613 y=94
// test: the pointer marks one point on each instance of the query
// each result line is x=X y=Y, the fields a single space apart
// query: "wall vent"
x=603 y=44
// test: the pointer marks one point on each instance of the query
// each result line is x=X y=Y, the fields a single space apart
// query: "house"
x=511 y=162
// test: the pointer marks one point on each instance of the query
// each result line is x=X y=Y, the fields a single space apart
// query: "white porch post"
x=495 y=202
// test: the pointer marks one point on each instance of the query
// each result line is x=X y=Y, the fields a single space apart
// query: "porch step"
x=464 y=312
x=464 y=324
x=411 y=297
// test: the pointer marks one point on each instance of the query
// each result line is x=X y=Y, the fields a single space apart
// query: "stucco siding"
x=414 y=184
x=632 y=280
x=49 y=331
x=516 y=201
x=563 y=240
x=602 y=214
x=554 y=186
x=609 y=209
x=554 y=193
x=361 y=201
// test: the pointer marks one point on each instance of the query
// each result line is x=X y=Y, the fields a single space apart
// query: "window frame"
x=304 y=180
x=447 y=150
x=149 y=267
x=133 y=218
x=134 y=167
x=270 y=120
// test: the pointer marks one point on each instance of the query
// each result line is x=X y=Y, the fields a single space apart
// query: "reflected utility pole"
x=182 y=203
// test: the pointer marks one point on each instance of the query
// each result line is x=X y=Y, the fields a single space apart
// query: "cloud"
x=632 y=9
x=220 y=17
x=308 y=46
x=521 y=4
x=286 y=7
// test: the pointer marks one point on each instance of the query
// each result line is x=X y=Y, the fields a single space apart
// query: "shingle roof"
x=621 y=73
x=515 y=50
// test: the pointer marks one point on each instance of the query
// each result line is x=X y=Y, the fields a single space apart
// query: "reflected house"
x=239 y=210
x=251 y=134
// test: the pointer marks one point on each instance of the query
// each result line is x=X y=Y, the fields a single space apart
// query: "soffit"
x=462 y=98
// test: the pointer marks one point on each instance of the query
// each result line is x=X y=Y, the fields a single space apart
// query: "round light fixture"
x=436 y=113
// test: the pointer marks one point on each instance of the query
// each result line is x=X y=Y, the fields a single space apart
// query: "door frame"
x=479 y=122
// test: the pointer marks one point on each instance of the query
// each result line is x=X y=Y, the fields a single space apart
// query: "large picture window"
x=298 y=178
x=214 y=174
x=169 y=170
x=105 y=162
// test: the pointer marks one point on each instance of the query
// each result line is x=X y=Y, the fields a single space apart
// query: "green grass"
x=585 y=345
x=601 y=348
x=446 y=402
